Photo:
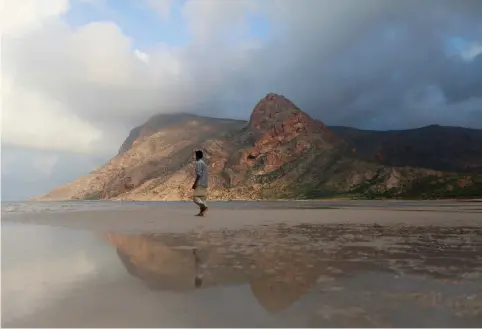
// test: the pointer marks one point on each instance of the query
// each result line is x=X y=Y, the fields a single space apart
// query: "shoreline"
x=262 y=200
x=181 y=219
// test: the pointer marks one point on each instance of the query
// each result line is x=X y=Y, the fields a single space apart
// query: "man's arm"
x=199 y=171
x=196 y=181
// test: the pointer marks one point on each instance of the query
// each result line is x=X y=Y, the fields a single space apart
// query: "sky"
x=78 y=75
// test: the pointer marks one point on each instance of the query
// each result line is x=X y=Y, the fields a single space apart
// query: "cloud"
x=143 y=57
x=360 y=66
x=23 y=16
x=35 y=120
x=374 y=64
x=74 y=89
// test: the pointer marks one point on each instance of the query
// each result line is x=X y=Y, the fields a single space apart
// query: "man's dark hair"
x=199 y=154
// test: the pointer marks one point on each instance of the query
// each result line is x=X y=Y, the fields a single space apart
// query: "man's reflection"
x=277 y=277
x=198 y=278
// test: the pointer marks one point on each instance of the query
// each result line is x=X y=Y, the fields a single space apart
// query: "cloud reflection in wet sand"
x=271 y=275
x=425 y=266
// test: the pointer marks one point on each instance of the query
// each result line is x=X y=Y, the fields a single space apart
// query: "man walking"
x=200 y=185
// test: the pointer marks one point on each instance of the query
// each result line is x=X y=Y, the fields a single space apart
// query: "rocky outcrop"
x=277 y=133
x=277 y=117
x=280 y=153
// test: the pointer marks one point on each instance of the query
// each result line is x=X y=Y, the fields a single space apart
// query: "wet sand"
x=180 y=218
x=343 y=265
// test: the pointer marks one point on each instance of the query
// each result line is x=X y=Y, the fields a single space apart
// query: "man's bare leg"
x=198 y=202
x=201 y=202
x=203 y=210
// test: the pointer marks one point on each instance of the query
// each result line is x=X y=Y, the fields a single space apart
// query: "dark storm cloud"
x=463 y=80
x=383 y=64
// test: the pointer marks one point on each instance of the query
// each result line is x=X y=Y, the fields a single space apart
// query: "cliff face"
x=145 y=158
x=280 y=153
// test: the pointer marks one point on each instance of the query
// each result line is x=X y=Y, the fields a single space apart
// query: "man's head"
x=199 y=155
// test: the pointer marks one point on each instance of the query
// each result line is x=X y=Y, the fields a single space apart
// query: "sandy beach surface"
x=292 y=264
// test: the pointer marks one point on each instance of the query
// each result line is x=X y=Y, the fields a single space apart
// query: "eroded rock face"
x=280 y=133
x=280 y=153
x=271 y=110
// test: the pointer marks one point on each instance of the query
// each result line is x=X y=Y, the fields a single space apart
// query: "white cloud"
x=142 y=56
x=72 y=89
x=21 y=16
x=30 y=119
x=62 y=86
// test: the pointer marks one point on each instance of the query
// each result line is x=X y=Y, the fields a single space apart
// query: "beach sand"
x=180 y=219
x=346 y=264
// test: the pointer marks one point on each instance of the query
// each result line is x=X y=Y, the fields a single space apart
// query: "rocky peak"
x=273 y=108
x=278 y=133
x=276 y=115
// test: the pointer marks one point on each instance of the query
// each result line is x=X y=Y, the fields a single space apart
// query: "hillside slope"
x=435 y=147
x=280 y=153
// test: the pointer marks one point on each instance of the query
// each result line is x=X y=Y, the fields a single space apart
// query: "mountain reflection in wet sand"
x=272 y=275
x=421 y=271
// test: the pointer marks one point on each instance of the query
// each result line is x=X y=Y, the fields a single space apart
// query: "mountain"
x=452 y=149
x=281 y=152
